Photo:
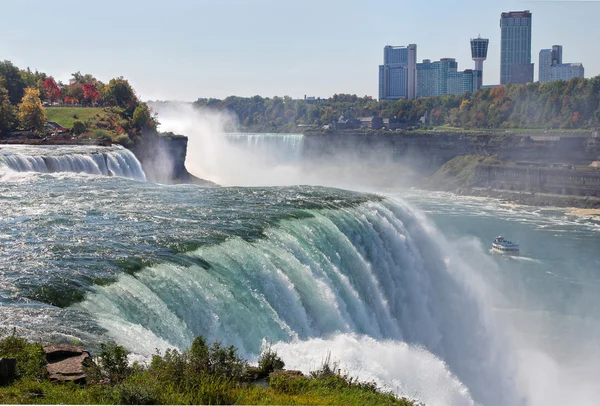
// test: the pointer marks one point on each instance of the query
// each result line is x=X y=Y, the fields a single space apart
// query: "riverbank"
x=205 y=374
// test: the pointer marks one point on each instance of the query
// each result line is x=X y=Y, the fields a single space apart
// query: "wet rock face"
x=8 y=370
x=67 y=363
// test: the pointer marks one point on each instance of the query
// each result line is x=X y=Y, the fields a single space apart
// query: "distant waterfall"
x=108 y=161
x=283 y=148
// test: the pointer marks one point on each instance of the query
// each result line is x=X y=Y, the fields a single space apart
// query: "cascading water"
x=276 y=149
x=374 y=270
x=311 y=269
x=108 y=161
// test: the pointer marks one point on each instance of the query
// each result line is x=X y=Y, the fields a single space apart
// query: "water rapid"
x=108 y=161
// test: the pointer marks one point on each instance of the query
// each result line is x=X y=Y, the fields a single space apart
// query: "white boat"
x=504 y=246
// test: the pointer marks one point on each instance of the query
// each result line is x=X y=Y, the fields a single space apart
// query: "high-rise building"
x=432 y=77
x=556 y=54
x=567 y=71
x=545 y=63
x=479 y=48
x=515 y=47
x=397 y=75
x=466 y=81
x=552 y=67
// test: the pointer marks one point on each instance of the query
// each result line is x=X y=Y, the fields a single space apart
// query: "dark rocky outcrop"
x=8 y=370
x=162 y=156
x=67 y=363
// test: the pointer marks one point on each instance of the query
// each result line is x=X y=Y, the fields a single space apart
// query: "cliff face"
x=535 y=163
x=163 y=159
x=427 y=152
x=566 y=181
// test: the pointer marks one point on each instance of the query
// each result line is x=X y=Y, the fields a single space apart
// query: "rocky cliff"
x=548 y=163
x=428 y=151
x=162 y=156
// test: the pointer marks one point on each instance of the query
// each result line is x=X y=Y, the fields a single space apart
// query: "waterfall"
x=108 y=161
x=376 y=271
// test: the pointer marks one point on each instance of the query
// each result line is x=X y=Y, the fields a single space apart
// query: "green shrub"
x=111 y=363
x=31 y=360
x=269 y=362
x=78 y=128
x=288 y=384
x=101 y=135
x=124 y=140
x=132 y=393
x=225 y=362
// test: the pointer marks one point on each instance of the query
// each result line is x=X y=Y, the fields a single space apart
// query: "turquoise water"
x=399 y=285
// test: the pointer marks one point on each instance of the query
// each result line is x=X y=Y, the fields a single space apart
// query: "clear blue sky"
x=183 y=50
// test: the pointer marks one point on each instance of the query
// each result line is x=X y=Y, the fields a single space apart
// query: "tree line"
x=24 y=93
x=573 y=104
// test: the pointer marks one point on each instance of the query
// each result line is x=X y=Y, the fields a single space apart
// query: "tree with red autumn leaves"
x=53 y=92
x=90 y=93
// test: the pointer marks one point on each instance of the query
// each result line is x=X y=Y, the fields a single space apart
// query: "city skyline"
x=184 y=50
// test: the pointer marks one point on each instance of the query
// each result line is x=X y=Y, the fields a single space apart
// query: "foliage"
x=31 y=113
x=119 y=93
x=142 y=116
x=559 y=104
x=90 y=94
x=8 y=114
x=269 y=362
x=205 y=374
x=53 y=92
x=31 y=360
x=78 y=128
x=102 y=135
x=13 y=82
x=124 y=140
x=111 y=364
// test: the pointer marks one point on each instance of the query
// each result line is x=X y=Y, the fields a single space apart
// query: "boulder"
x=8 y=370
x=67 y=362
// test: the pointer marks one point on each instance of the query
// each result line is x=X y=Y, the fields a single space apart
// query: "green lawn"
x=66 y=116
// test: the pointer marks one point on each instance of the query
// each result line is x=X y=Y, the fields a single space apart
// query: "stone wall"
x=566 y=181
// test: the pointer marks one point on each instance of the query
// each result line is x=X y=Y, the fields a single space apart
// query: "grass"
x=206 y=374
x=460 y=171
x=66 y=116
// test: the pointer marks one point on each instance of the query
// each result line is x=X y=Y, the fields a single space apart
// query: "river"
x=397 y=284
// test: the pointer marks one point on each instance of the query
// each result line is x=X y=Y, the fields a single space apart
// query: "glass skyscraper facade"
x=432 y=77
x=397 y=75
x=545 y=64
x=515 y=47
x=466 y=81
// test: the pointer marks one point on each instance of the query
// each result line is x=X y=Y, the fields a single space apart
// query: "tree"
x=118 y=92
x=90 y=93
x=7 y=111
x=141 y=116
x=78 y=128
x=31 y=112
x=75 y=93
x=14 y=83
x=53 y=92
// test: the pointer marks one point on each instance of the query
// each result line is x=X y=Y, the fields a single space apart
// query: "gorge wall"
x=532 y=162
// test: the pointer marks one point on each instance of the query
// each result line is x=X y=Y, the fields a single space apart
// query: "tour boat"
x=504 y=246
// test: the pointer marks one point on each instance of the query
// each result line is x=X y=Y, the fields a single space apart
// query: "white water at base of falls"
x=108 y=161
x=395 y=366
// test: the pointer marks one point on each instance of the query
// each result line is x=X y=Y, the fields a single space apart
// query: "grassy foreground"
x=66 y=116
x=206 y=374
